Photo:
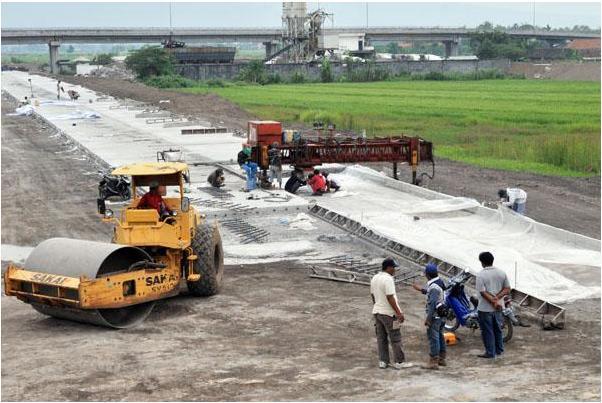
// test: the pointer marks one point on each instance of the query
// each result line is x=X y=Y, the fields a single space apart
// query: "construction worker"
x=59 y=88
x=251 y=170
x=275 y=157
x=216 y=178
x=243 y=155
x=317 y=183
x=295 y=181
x=153 y=199
x=388 y=316
x=73 y=95
x=492 y=286
x=331 y=183
x=434 y=322
x=514 y=198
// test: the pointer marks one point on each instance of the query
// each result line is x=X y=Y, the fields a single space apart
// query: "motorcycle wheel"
x=507 y=330
x=451 y=322
x=126 y=194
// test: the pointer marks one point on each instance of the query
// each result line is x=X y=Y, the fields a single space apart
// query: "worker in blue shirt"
x=250 y=168
x=435 y=301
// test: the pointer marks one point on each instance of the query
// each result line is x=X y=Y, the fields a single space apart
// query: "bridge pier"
x=451 y=48
x=270 y=48
x=53 y=48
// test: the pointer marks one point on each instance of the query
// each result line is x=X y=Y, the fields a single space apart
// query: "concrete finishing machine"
x=151 y=255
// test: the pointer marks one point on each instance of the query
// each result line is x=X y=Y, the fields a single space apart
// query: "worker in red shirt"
x=317 y=183
x=153 y=200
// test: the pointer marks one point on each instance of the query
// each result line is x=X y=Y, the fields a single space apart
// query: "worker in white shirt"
x=387 y=316
x=514 y=198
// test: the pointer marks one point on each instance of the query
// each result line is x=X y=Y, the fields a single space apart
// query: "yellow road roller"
x=159 y=243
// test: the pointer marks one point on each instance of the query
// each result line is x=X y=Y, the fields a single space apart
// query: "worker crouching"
x=317 y=182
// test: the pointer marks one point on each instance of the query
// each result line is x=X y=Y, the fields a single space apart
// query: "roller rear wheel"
x=207 y=246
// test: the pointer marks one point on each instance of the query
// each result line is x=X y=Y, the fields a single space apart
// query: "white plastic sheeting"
x=539 y=260
x=78 y=115
x=24 y=110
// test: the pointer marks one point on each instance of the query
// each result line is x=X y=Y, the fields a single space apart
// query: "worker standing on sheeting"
x=59 y=88
x=387 y=316
x=492 y=285
x=275 y=157
x=251 y=170
x=514 y=198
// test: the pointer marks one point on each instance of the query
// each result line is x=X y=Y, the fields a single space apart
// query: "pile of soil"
x=587 y=71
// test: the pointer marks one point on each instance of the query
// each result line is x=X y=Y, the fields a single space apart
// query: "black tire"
x=451 y=322
x=207 y=246
x=126 y=194
x=507 y=329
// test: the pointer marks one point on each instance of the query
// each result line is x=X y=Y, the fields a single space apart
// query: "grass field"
x=549 y=127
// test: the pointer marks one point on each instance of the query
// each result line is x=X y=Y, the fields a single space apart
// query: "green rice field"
x=548 y=127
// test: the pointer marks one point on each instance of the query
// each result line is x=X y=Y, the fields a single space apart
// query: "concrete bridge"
x=55 y=36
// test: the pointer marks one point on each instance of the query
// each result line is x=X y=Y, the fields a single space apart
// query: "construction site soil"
x=273 y=333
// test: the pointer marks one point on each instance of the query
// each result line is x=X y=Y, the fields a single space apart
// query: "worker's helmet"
x=502 y=193
x=431 y=269
x=153 y=185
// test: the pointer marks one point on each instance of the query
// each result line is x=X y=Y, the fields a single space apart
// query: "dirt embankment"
x=569 y=203
x=586 y=71
x=47 y=186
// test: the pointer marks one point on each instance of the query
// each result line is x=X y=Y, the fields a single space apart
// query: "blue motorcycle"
x=462 y=311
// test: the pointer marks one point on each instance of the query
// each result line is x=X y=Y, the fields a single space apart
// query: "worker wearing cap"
x=514 y=198
x=434 y=323
x=387 y=316
x=243 y=155
x=153 y=200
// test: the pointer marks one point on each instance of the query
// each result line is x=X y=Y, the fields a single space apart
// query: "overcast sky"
x=47 y=15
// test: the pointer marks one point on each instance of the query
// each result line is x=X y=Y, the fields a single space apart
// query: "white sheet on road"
x=456 y=230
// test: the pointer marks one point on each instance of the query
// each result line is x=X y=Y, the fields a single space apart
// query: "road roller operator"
x=153 y=199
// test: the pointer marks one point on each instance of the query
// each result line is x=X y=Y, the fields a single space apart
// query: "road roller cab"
x=150 y=258
x=145 y=227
